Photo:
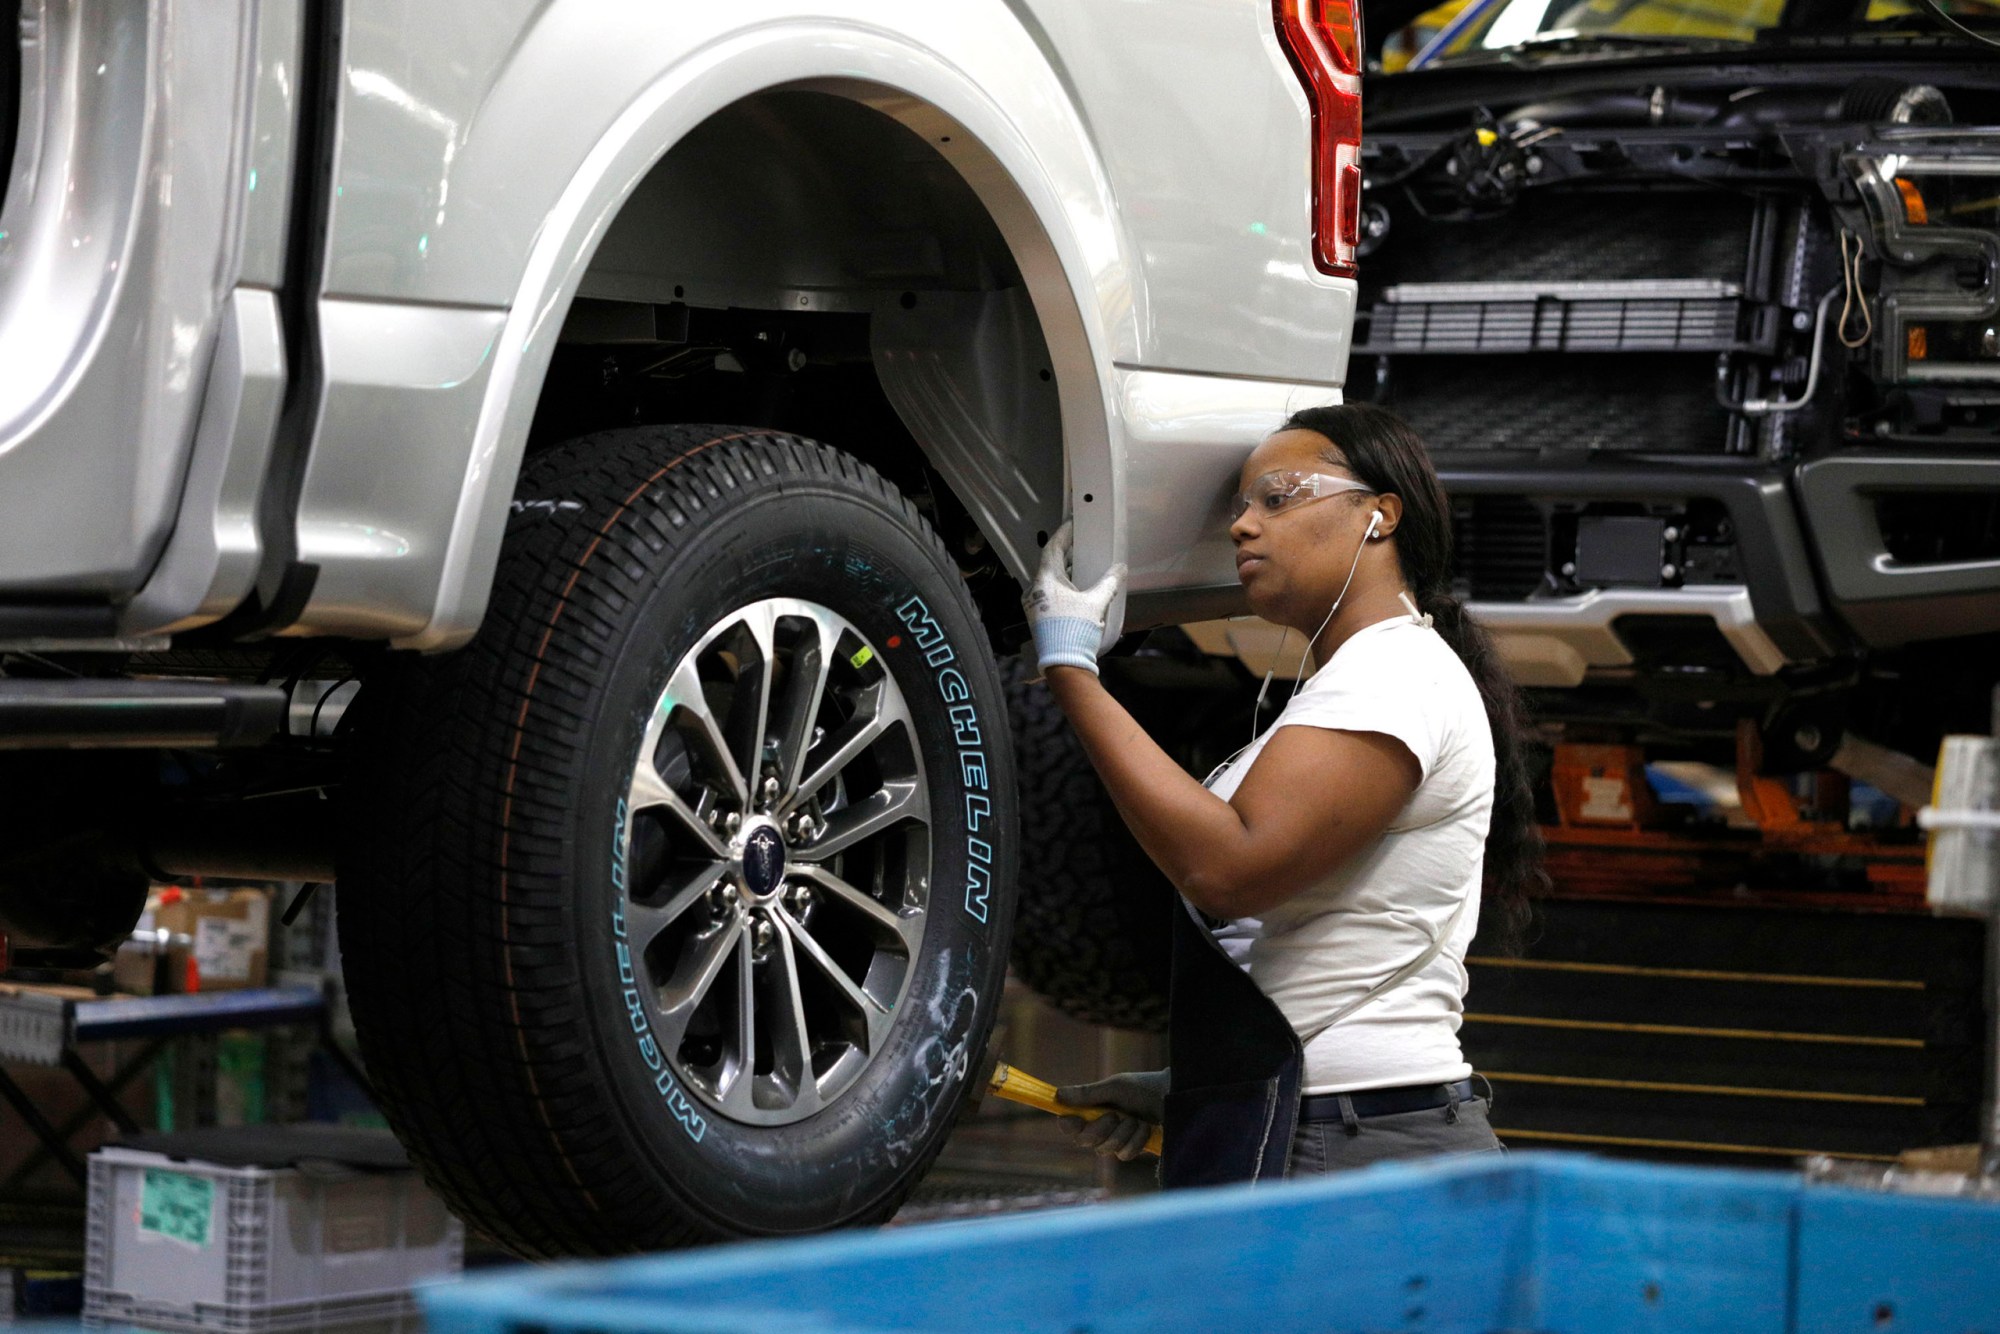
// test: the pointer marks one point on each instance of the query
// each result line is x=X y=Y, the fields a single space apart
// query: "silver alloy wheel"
x=777 y=861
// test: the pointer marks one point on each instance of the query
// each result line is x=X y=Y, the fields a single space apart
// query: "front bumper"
x=1817 y=575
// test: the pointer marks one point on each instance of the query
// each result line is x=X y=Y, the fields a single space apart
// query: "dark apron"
x=1233 y=1094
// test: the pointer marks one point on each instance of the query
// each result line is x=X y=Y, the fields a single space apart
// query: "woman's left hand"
x=1135 y=1103
x=1068 y=622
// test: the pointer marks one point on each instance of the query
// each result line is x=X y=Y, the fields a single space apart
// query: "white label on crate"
x=178 y=1207
x=1603 y=799
x=222 y=949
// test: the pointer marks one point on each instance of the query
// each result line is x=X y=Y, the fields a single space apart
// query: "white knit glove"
x=1068 y=621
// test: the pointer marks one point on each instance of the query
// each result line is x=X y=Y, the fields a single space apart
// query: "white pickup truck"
x=674 y=821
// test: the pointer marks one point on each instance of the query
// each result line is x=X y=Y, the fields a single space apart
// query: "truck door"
x=132 y=215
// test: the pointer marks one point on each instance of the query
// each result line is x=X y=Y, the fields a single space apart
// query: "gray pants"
x=1336 y=1146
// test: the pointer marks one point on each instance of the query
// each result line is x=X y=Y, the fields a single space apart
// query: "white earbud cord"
x=1374 y=522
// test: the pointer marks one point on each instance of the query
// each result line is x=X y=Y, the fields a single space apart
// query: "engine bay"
x=1692 y=341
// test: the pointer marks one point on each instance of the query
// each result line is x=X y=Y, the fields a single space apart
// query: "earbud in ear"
x=1374 y=522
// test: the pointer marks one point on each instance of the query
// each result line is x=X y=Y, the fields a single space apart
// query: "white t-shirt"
x=1326 y=946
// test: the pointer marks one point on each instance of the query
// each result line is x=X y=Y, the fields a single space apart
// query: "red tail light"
x=1323 y=40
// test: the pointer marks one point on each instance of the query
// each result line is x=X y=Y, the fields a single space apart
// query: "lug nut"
x=770 y=790
x=732 y=822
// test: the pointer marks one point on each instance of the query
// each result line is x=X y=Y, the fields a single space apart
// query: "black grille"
x=1552 y=323
x=1561 y=402
x=1557 y=237
x=1499 y=547
x=1570 y=400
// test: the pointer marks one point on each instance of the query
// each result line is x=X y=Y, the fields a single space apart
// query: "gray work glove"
x=1138 y=1102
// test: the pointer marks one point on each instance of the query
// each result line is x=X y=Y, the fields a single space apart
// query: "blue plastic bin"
x=1545 y=1242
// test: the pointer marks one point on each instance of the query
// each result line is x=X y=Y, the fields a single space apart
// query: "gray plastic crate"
x=177 y=1243
x=34 y=1027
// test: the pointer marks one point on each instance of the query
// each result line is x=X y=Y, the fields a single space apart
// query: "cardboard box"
x=231 y=930
x=152 y=963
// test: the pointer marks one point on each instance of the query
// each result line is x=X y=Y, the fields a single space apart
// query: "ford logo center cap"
x=763 y=862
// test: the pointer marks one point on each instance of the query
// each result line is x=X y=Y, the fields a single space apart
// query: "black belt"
x=1384 y=1102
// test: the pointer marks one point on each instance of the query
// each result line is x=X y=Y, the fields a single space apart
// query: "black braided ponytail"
x=1379 y=448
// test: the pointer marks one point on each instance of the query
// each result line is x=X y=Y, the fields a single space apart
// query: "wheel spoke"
x=886 y=921
x=789 y=1039
x=690 y=697
x=650 y=790
x=894 y=804
x=644 y=922
x=871 y=1010
x=861 y=732
x=810 y=668
x=736 y=1086
x=678 y=1004
x=761 y=622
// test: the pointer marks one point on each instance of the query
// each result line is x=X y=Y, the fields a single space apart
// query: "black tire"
x=1093 y=935
x=482 y=908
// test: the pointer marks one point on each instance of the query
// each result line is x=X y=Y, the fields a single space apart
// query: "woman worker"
x=1346 y=846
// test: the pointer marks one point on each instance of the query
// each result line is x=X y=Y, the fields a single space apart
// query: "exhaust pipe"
x=82 y=887
x=276 y=838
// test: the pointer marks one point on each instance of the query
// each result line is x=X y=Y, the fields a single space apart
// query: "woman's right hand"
x=1137 y=1102
x=1068 y=622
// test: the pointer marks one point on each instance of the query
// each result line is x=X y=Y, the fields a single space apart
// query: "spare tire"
x=673 y=908
x=1092 y=931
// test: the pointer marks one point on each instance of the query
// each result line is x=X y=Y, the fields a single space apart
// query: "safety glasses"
x=1276 y=492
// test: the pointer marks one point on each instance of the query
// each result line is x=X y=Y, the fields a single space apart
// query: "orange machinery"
x=1614 y=840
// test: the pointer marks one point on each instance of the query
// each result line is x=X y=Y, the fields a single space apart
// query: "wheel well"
x=802 y=199
x=806 y=262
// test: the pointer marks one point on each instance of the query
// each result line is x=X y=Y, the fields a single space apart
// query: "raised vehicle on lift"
x=377 y=341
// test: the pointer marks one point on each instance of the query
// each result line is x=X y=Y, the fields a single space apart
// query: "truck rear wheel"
x=1094 y=937
x=674 y=907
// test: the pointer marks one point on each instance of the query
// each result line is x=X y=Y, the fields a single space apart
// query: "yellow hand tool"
x=1022 y=1087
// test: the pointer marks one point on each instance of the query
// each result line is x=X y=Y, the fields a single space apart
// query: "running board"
x=93 y=713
